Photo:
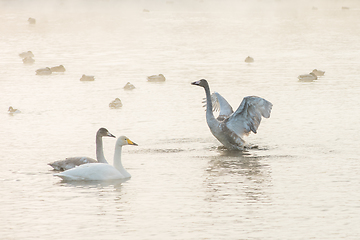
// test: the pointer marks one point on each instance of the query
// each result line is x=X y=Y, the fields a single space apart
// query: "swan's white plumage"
x=100 y=171
x=230 y=127
x=91 y=171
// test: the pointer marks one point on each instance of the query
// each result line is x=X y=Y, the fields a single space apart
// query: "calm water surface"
x=302 y=182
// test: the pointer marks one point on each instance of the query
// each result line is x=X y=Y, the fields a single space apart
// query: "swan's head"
x=202 y=83
x=121 y=141
x=103 y=132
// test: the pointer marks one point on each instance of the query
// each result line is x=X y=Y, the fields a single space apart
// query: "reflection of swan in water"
x=100 y=171
x=28 y=60
x=230 y=127
x=233 y=172
x=72 y=162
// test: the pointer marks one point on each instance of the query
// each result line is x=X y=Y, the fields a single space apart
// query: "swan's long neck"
x=99 y=150
x=209 y=112
x=118 y=164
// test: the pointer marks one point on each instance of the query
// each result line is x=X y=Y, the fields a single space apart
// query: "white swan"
x=100 y=171
x=230 y=127
x=72 y=162
x=307 y=77
x=156 y=78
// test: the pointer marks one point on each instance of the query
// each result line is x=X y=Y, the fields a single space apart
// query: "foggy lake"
x=300 y=182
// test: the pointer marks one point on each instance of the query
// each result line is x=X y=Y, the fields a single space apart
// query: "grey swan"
x=100 y=171
x=68 y=163
x=230 y=127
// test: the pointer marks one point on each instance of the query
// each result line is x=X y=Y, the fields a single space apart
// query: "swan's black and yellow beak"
x=131 y=142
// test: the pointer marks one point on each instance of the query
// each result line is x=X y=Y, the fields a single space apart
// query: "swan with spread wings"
x=230 y=127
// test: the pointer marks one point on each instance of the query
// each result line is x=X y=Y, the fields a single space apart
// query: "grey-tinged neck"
x=117 y=162
x=209 y=111
x=99 y=150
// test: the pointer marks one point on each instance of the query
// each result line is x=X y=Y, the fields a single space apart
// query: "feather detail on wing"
x=71 y=162
x=247 y=117
x=220 y=104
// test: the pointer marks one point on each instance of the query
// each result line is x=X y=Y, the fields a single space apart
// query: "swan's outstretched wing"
x=219 y=103
x=247 y=117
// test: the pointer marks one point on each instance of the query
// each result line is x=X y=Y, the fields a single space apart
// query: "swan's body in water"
x=100 y=171
x=72 y=162
x=230 y=127
x=307 y=77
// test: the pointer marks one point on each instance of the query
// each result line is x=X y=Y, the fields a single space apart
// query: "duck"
x=116 y=103
x=43 y=71
x=156 y=78
x=28 y=60
x=59 y=68
x=100 y=171
x=318 y=73
x=71 y=162
x=32 y=20
x=230 y=127
x=249 y=59
x=26 y=54
x=307 y=77
x=129 y=86
x=87 y=78
x=12 y=110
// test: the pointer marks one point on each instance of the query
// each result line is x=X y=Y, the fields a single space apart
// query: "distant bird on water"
x=32 y=20
x=307 y=77
x=116 y=103
x=129 y=86
x=26 y=54
x=156 y=78
x=12 y=110
x=59 y=68
x=230 y=127
x=249 y=59
x=318 y=73
x=43 y=71
x=87 y=78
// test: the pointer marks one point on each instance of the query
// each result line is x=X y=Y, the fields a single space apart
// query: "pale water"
x=302 y=182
